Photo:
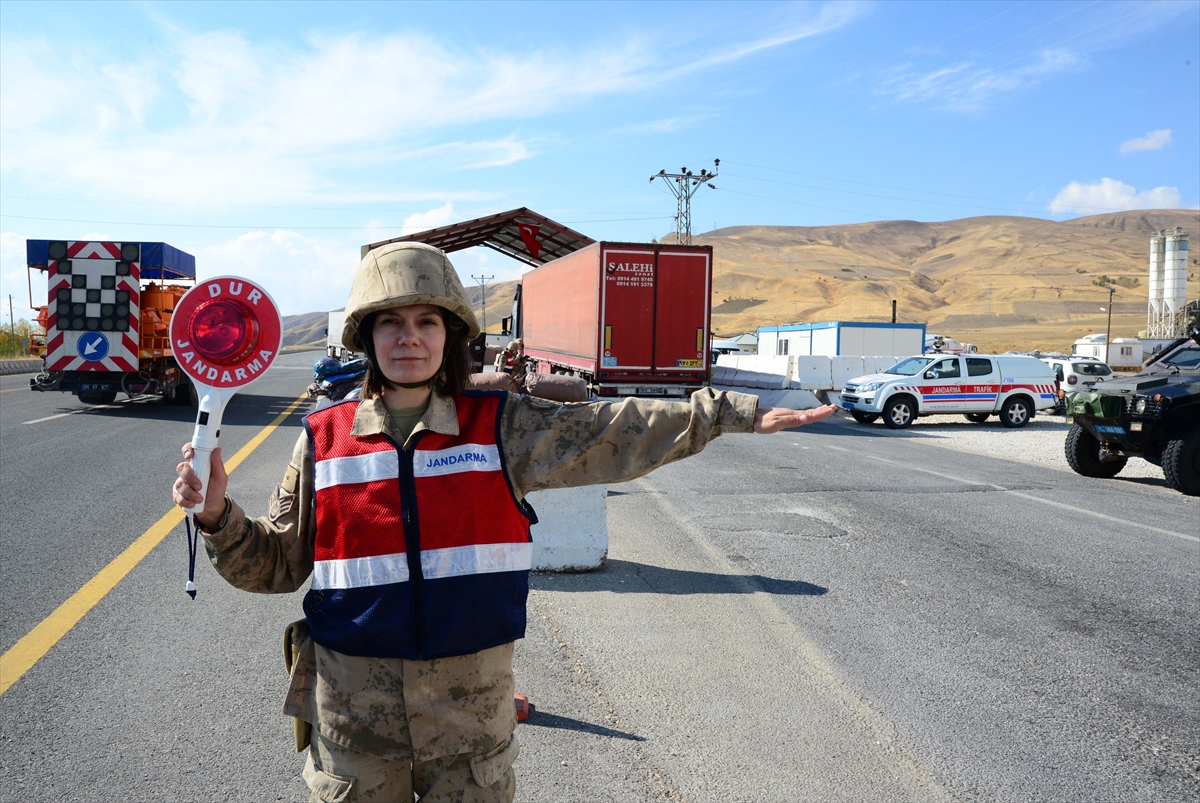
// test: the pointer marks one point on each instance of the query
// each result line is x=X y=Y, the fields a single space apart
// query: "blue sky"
x=271 y=140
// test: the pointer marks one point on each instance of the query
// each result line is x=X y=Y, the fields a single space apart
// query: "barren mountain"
x=999 y=282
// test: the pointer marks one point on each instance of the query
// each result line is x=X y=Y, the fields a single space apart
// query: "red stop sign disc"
x=225 y=332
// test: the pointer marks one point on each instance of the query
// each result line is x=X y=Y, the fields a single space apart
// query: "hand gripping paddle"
x=225 y=333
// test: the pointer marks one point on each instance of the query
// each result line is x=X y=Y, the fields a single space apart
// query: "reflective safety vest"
x=421 y=552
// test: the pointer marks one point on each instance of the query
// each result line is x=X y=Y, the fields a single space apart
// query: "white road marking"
x=74 y=412
x=1031 y=498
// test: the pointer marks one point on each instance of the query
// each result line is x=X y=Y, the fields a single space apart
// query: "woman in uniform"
x=407 y=509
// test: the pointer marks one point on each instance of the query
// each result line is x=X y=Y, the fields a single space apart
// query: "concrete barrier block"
x=727 y=360
x=723 y=374
x=844 y=368
x=572 y=530
x=20 y=366
x=812 y=373
x=792 y=398
x=760 y=379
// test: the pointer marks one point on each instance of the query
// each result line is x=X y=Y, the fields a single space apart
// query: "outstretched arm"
x=774 y=419
x=548 y=445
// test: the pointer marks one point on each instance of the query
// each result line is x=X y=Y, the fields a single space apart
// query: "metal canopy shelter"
x=521 y=234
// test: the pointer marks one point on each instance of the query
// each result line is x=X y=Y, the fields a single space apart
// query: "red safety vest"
x=421 y=552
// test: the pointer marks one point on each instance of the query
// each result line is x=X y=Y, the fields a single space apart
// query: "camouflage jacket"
x=422 y=710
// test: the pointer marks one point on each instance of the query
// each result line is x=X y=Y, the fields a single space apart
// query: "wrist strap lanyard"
x=193 y=540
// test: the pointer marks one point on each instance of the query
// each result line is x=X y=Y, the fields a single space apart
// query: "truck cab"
x=976 y=385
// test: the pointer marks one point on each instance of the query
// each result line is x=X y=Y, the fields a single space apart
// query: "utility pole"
x=1108 y=332
x=683 y=186
x=12 y=325
x=483 y=280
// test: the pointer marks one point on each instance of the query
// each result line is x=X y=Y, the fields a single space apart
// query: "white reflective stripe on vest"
x=356 y=469
x=457 y=459
x=377 y=570
x=477 y=559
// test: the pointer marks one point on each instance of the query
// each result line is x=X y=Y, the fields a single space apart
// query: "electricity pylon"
x=683 y=186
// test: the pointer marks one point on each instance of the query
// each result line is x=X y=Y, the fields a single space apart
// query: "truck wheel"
x=1016 y=412
x=1083 y=454
x=185 y=394
x=98 y=397
x=899 y=412
x=1181 y=464
x=977 y=418
x=864 y=418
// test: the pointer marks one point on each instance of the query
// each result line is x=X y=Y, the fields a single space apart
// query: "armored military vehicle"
x=1154 y=415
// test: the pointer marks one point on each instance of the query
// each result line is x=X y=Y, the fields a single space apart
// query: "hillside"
x=999 y=282
x=309 y=327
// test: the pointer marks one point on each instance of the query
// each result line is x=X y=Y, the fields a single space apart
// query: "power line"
x=986 y=71
x=939 y=44
x=1038 y=28
x=985 y=22
x=799 y=203
x=914 y=200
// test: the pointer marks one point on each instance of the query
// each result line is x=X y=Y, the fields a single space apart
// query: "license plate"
x=689 y=363
x=847 y=405
x=652 y=391
x=1109 y=429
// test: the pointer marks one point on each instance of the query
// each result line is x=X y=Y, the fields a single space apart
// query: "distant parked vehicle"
x=1076 y=373
x=978 y=386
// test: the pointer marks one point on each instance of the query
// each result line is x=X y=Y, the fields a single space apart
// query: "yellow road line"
x=13 y=390
x=29 y=650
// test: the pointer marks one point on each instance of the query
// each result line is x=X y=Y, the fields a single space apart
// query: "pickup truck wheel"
x=1016 y=412
x=1083 y=455
x=899 y=412
x=977 y=418
x=98 y=397
x=1181 y=464
x=864 y=418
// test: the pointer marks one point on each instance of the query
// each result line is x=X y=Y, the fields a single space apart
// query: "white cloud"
x=1153 y=141
x=208 y=113
x=1112 y=196
x=428 y=220
x=967 y=87
x=302 y=274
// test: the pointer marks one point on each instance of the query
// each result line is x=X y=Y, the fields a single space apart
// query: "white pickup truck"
x=976 y=385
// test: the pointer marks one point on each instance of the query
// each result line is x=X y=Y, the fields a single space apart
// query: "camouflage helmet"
x=401 y=274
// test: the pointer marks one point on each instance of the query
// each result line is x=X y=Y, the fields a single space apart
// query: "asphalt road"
x=827 y=614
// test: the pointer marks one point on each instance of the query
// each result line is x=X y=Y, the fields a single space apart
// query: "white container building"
x=842 y=338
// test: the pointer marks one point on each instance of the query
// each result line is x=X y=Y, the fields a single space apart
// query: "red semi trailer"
x=630 y=318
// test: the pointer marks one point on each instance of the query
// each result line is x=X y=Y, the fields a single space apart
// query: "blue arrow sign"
x=92 y=346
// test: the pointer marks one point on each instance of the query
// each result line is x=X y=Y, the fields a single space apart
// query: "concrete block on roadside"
x=812 y=373
x=760 y=379
x=843 y=369
x=723 y=374
x=10 y=367
x=572 y=530
x=792 y=398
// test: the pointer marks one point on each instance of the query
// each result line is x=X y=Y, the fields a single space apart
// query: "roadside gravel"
x=1039 y=442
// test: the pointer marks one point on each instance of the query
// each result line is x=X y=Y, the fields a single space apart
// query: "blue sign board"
x=92 y=346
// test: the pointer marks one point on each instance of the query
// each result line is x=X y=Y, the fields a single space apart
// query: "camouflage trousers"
x=338 y=775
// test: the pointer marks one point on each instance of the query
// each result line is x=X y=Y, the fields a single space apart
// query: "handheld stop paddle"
x=225 y=333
